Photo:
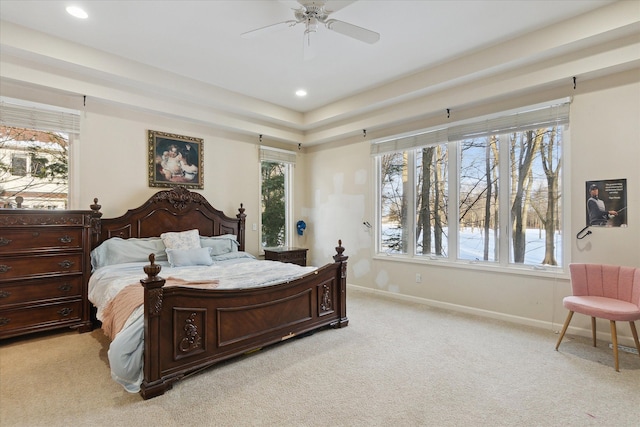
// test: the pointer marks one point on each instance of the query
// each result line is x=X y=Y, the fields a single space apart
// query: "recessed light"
x=77 y=12
x=301 y=93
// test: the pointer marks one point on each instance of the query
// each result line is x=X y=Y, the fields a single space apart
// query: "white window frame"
x=43 y=117
x=451 y=135
x=288 y=158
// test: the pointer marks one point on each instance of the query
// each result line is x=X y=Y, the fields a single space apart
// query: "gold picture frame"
x=175 y=160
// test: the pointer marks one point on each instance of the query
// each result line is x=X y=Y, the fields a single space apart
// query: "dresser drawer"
x=298 y=257
x=285 y=254
x=14 y=322
x=27 y=291
x=14 y=267
x=18 y=240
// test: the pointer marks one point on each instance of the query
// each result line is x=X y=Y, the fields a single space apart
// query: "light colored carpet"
x=396 y=363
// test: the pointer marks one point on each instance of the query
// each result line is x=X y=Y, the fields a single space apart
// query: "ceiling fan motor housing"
x=312 y=12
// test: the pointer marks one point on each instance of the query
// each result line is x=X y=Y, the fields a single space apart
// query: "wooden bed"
x=187 y=329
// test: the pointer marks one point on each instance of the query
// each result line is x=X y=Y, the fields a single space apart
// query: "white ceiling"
x=201 y=39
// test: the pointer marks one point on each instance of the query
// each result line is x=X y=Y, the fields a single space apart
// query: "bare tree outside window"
x=393 y=202
x=535 y=195
x=432 y=200
x=529 y=194
x=479 y=203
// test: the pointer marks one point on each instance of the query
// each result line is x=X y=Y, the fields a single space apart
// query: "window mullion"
x=288 y=214
x=454 y=201
x=378 y=203
x=504 y=190
x=411 y=200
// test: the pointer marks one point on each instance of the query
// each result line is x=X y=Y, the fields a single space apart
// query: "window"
x=276 y=178
x=18 y=164
x=487 y=191
x=432 y=200
x=35 y=142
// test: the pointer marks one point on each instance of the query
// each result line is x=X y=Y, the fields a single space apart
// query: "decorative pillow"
x=181 y=240
x=119 y=251
x=220 y=244
x=186 y=257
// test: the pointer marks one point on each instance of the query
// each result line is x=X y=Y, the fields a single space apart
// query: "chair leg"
x=564 y=329
x=593 y=330
x=614 y=342
x=635 y=336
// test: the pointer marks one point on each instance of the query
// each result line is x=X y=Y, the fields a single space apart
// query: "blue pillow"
x=186 y=257
x=220 y=244
x=118 y=251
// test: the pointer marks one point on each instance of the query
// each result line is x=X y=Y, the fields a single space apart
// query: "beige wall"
x=604 y=144
x=113 y=164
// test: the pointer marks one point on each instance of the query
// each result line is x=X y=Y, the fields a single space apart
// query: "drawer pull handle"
x=4 y=242
x=66 y=287
x=5 y=294
x=4 y=321
x=66 y=264
x=4 y=268
x=66 y=239
x=65 y=311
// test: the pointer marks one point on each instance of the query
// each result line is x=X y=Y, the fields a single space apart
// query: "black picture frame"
x=175 y=160
x=606 y=203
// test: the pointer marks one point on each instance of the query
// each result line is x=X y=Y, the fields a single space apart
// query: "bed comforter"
x=239 y=270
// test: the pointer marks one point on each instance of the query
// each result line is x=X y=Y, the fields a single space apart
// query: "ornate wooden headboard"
x=177 y=209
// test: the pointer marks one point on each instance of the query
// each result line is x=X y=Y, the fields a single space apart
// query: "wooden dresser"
x=44 y=270
x=287 y=254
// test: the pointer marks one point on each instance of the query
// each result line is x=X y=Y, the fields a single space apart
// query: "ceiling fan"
x=311 y=14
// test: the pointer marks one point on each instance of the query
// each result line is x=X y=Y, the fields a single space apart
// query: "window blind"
x=544 y=117
x=268 y=154
x=39 y=118
x=409 y=142
x=553 y=115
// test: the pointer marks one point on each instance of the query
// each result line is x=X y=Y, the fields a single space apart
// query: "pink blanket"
x=118 y=310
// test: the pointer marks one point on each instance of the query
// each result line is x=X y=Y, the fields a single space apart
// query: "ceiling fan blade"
x=268 y=29
x=353 y=31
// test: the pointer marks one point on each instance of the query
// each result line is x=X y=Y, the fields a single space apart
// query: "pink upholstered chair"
x=608 y=292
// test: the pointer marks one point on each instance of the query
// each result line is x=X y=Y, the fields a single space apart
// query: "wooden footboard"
x=188 y=329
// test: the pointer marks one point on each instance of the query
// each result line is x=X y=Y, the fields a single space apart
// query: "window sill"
x=529 y=270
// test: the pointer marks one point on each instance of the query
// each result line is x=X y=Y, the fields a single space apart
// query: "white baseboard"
x=604 y=335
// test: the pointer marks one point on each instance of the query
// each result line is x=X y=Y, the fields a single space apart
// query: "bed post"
x=151 y=384
x=342 y=280
x=95 y=222
x=241 y=224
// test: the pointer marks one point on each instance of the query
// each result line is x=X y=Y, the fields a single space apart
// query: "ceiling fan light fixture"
x=312 y=25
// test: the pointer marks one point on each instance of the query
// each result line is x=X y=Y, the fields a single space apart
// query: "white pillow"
x=181 y=240
x=186 y=257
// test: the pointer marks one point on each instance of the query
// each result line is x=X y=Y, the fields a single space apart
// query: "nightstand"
x=287 y=254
